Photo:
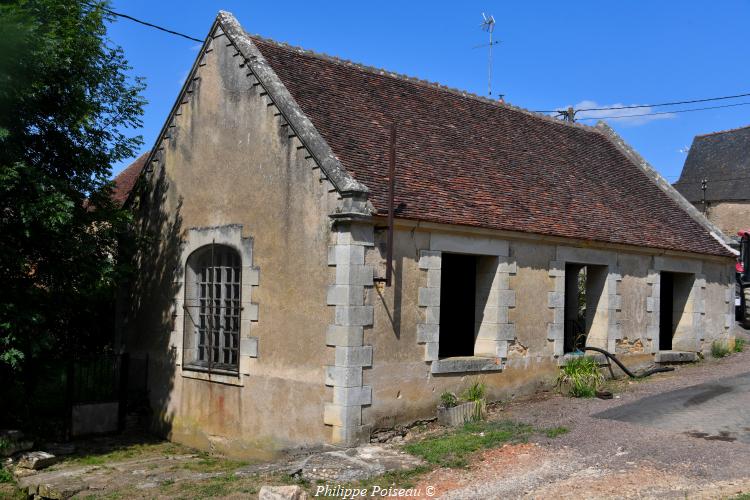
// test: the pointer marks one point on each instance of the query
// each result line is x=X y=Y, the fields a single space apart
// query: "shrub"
x=5 y=475
x=448 y=400
x=582 y=377
x=475 y=392
x=719 y=349
x=739 y=345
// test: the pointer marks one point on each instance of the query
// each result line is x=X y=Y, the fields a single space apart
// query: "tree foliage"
x=66 y=104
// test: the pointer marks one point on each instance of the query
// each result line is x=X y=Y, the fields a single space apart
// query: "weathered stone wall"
x=404 y=380
x=327 y=352
x=729 y=216
x=231 y=171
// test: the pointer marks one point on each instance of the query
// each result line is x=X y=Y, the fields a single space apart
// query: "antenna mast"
x=488 y=25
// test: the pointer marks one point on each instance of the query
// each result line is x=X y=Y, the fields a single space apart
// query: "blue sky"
x=552 y=54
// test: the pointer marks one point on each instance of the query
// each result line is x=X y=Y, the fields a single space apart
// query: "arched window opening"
x=212 y=302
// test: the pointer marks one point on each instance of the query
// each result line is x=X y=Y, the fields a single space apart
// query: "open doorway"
x=457 y=305
x=586 y=321
x=674 y=296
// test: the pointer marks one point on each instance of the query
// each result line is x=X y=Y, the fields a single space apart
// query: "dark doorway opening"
x=675 y=322
x=666 y=311
x=458 y=278
x=575 y=308
x=586 y=322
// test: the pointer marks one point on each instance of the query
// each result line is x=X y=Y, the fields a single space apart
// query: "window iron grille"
x=216 y=308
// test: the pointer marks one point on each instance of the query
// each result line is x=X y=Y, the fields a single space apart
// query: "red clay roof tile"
x=125 y=180
x=464 y=160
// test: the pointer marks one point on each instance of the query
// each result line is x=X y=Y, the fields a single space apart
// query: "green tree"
x=66 y=104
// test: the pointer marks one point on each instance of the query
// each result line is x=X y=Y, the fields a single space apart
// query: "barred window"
x=213 y=307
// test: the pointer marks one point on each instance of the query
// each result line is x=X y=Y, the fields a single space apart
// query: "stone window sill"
x=198 y=372
x=466 y=364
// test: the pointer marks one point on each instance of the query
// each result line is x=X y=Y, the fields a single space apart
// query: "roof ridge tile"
x=719 y=132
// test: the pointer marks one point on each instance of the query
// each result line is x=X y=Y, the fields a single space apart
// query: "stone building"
x=262 y=210
x=722 y=160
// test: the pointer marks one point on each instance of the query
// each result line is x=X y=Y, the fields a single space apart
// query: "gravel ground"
x=603 y=458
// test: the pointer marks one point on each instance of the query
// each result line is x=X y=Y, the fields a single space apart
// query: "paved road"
x=717 y=410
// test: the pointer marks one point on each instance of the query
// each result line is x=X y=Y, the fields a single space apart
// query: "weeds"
x=5 y=475
x=554 y=432
x=453 y=449
x=581 y=376
x=448 y=400
x=719 y=349
x=475 y=392
x=739 y=345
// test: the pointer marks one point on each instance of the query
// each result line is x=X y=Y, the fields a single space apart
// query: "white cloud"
x=631 y=116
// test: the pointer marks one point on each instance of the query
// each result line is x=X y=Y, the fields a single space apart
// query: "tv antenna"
x=488 y=25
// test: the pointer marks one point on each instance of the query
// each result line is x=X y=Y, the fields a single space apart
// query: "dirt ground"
x=604 y=458
x=592 y=457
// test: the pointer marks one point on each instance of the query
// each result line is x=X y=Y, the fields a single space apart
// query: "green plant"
x=5 y=475
x=453 y=448
x=475 y=392
x=69 y=109
x=554 y=432
x=448 y=400
x=719 y=349
x=581 y=376
x=739 y=345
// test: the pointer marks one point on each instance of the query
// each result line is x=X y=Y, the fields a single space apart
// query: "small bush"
x=582 y=377
x=448 y=400
x=719 y=349
x=5 y=476
x=475 y=392
x=739 y=345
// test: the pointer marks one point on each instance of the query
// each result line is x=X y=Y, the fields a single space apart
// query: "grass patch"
x=580 y=377
x=215 y=487
x=124 y=453
x=5 y=475
x=453 y=449
x=739 y=345
x=207 y=463
x=554 y=432
x=719 y=349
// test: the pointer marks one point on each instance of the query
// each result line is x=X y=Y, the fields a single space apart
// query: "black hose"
x=624 y=369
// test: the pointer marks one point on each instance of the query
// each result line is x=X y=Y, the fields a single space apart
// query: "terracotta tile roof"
x=465 y=160
x=125 y=180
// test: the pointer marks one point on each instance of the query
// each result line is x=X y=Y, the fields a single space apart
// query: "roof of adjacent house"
x=723 y=159
x=125 y=180
x=462 y=159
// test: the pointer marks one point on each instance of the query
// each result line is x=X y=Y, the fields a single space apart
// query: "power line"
x=662 y=112
x=636 y=106
x=145 y=23
x=709 y=181
x=610 y=108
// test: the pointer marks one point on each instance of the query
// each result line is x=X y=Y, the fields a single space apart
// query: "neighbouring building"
x=720 y=161
x=262 y=209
